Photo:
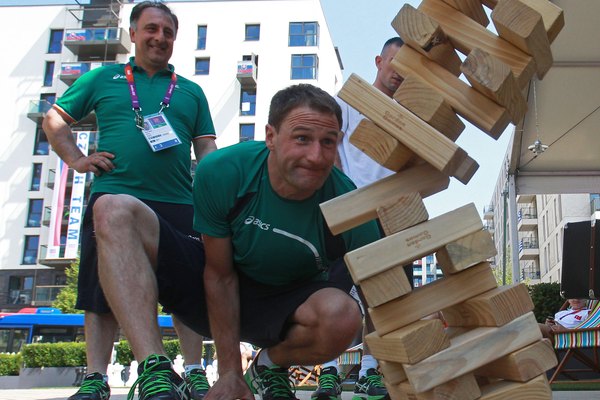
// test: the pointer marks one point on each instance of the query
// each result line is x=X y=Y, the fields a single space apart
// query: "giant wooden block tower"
x=492 y=347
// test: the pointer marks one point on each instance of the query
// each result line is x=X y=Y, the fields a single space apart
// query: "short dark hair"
x=395 y=41
x=303 y=94
x=137 y=12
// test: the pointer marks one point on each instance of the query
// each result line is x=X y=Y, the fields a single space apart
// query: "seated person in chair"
x=563 y=320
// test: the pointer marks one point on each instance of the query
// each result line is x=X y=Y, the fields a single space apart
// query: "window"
x=30 y=251
x=246 y=132
x=36 y=177
x=202 y=66
x=48 y=97
x=56 y=37
x=252 y=32
x=20 y=289
x=304 y=34
x=41 y=146
x=304 y=66
x=202 y=37
x=248 y=102
x=49 y=73
x=34 y=216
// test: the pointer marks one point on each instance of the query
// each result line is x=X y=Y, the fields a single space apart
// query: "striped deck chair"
x=585 y=336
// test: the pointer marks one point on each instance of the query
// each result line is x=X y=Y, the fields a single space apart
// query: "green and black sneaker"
x=197 y=383
x=370 y=387
x=93 y=387
x=270 y=383
x=330 y=385
x=158 y=381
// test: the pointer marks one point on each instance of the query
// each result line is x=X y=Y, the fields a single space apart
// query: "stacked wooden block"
x=488 y=344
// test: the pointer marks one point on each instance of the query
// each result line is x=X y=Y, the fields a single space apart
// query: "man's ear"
x=131 y=35
x=378 y=60
x=270 y=134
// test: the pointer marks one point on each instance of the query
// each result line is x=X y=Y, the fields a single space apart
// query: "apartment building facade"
x=239 y=52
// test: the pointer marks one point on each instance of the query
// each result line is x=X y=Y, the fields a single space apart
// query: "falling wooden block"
x=430 y=298
x=404 y=247
x=380 y=146
x=466 y=35
x=408 y=211
x=472 y=350
x=465 y=252
x=494 y=308
x=385 y=286
x=552 y=15
x=472 y=9
x=462 y=388
x=429 y=105
x=421 y=138
x=359 y=206
x=522 y=26
x=523 y=364
x=410 y=344
x=536 y=389
x=393 y=372
x=493 y=78
x=475 y=107
x=427 y=37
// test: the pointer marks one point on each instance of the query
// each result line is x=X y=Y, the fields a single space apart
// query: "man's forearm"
x=61 y=138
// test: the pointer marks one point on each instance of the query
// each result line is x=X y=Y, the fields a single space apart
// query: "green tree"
x=65 y=300
x=546 y=299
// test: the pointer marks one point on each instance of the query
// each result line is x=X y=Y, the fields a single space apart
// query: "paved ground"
x=121 y=394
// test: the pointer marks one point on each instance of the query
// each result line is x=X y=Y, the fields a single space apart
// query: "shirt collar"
x=170 y=68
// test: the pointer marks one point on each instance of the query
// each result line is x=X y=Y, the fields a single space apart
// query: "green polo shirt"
x=276 y=241
x=140 y=172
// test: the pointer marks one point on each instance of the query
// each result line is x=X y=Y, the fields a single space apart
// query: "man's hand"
x=230 y=385
x=97 y=163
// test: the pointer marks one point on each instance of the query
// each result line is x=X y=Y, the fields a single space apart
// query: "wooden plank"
x=385 y=286
x=472 y=9
x=462 y=388
x=536 y=389
x=392 y=372
x=427 y=37
x=359 y=206
x=410 y=344
x=430 y=298
x=523 y=26
x=494 y=308
x=476 y=108
x=421 y=138
x=429 y=105
x=552 y=15
x=523 y=364
x=465 y=252
x=466 y=35
x=494 y=79
x=408 y=211
x=380 y=145
x=472 y=350
x=404 y=247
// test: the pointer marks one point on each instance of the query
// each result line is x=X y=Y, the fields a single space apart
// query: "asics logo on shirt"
x=251 y=220
x=119 y=76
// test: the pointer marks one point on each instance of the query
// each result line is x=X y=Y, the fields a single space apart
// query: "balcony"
x=59 y=262
x=48 y=216
x=525 y=198
x=529 y=249
x=246 y=74
x=488 y=212
x=45 y=295
x=71 y=71
x=530 y=273
x=52 y=179
x=38 y=109
x=527 y=219
x=19 y=296
x=89 y=42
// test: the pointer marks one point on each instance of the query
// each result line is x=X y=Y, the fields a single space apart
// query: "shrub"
x=125 y=355
x=546 y=299
x=10 y=364
x=53 y=355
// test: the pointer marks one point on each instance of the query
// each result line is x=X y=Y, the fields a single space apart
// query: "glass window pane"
x=253 y=32
x=246 y=132
x=202 y=30
x=30 y=252
x=41 y=146
x=36 y=177
x=49 y=73
x=55 y=45
x=248 y=102
x=202 y=66
x=295 y=28
x=34 y=217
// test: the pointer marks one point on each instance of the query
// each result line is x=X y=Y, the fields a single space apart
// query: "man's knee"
x=114 y=211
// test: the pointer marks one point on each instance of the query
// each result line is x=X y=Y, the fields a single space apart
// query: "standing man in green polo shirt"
x=148 y=118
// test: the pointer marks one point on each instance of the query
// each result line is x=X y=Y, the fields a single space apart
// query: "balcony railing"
x=71 y=71
x=595 y=205
x=19 y=296
x=528 y=243
x=45 y=295
x=526 y=213
x=97 y=41
x=246 y=73
x=48 y=215
x=38 y=109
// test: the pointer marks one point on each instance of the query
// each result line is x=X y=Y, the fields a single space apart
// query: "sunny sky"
x=359 y=28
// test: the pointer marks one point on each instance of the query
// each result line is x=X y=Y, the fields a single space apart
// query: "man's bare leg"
x=100 y=334
x=190 y=343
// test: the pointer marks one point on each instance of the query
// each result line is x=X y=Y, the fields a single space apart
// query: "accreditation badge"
x=158 y=132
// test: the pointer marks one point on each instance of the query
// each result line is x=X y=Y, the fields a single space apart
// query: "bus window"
x=54 y=334
x=12 y=339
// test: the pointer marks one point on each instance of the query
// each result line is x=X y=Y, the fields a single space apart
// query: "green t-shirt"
x=161 y=176
x=275 y=240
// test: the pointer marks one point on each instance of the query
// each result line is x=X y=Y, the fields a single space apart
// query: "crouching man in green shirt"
x=269 y=271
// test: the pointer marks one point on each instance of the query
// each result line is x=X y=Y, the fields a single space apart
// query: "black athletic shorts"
x=89 y=293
